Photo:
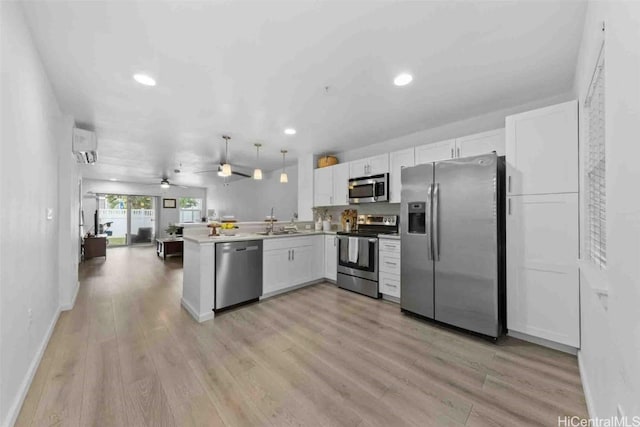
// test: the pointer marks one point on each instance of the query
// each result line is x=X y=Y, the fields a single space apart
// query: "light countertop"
x=202 y=239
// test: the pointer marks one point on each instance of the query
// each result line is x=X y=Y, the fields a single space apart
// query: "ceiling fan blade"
x=240 y=174
x=207 y=171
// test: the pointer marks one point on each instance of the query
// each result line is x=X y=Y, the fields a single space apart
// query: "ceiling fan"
x=164 y=184
x=224 y=168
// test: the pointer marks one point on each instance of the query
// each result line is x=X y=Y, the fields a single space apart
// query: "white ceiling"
x=250 y=69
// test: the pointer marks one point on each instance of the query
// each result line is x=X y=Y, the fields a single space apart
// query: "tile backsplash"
x=363 y=209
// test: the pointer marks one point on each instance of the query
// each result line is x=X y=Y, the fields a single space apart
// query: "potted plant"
x=171 y=230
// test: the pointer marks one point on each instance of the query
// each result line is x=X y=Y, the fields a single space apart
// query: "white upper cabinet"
x=436 y=151
x=375 y=165
x=542 y=150
x=322 y=186
x=397 y=161
x=340 y=195
x=481 y=143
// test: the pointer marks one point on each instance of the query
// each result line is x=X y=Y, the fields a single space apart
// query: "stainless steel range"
x=358 y=253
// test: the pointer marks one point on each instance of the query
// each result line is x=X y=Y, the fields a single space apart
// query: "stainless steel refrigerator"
x=453 y=241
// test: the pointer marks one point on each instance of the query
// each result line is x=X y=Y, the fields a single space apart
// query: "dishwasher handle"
x=248 y=248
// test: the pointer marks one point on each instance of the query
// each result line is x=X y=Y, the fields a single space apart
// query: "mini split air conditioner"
x=85 y=146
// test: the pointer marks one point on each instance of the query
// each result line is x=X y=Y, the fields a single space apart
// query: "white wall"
x=251 y=200
x=165 y=217
x=29 y=258
x=610 y=318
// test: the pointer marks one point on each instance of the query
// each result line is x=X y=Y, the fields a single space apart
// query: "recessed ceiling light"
x=144 y=79
x=113 y=179
x=402 y=79
x=290 y=131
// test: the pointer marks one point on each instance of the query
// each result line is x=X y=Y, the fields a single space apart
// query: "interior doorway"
x=126 y=219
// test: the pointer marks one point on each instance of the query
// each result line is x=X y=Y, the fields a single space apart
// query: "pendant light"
x=257 y=172
x=226 y=167
x=283 y=176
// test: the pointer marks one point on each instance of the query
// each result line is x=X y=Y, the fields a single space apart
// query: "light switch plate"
x=49 y=214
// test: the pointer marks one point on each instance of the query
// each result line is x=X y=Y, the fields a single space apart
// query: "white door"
x=397 y=161
x=481 y=143
x=435 y=151
x=542 y=275
x=275 y=270
x=542 y=150
x=322 y=186
x=300 y=270
x=358 y=168
x=379 y=164
x=331 y=258
x=340 y=184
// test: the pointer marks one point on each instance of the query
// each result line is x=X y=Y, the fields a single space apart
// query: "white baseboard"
x=543 y=342
x=585 y=387
x=199 y=317
x=14 y=411
x=69 y=306
x=291 y=288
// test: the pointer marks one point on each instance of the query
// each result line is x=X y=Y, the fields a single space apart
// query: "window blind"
x=595 y=169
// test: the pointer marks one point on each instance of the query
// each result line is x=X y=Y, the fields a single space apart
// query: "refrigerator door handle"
x=429 y=227
x=436 y=222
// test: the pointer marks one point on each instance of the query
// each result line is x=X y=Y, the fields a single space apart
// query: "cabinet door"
x=300 y=266
x=378 y=164
x=481 y=143
x=317 y=264
x=331 y=258
x=436 y=151
x=340 y=184
x=542 y=275
x=322 y=186
x=397 y=161
x=358 y=168
x=389 y=284
x=275 y=270
x=542 y=150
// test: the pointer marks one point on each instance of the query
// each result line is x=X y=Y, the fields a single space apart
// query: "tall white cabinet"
x=542 y=224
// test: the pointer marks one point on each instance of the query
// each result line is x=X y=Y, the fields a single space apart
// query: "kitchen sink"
x=277 y=233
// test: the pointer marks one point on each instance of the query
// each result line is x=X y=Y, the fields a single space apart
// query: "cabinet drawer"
x=388 y=245
x=389 y=263
x=389 y=284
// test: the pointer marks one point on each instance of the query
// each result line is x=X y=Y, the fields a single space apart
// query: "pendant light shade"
x=283 y=176
x=226 y=167
x=257 y=172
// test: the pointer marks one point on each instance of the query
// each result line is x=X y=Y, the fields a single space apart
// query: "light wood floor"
x=128 y=355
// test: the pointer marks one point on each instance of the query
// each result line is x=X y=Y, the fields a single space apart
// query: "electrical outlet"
x=30 y=315
x=49 y=214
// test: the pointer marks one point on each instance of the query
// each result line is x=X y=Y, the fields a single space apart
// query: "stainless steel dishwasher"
x=238 y=273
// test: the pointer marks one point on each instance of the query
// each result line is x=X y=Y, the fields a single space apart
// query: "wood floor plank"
x=129 y=354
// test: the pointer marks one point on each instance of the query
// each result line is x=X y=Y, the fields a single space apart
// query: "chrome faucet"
x=270 y=226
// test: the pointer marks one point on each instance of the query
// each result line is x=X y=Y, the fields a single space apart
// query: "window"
x=595 y=162
x=190 y=209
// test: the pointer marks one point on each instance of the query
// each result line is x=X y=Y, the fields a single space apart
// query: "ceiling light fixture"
x=112 y=179
x=290 y=131
x=283 y=176
x=164 y=183
x=257 y=172
x=402 y=79
x=144 y=79
x=226 y=167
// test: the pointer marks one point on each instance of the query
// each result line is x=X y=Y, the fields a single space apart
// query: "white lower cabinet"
x=331 y=258
x=389 y=267
x=542 y=275
x=288 y=262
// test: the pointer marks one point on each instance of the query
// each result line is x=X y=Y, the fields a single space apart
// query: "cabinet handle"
x=509 y=206
x=293 y=254
x=509 y=183
x=458 y=150
x=389 y=246
x=390 y=263
x=452 y=152
x=335 y=239
x=389 y=284
x=289 y=255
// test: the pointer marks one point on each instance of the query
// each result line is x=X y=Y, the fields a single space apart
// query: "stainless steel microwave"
x=369 y=189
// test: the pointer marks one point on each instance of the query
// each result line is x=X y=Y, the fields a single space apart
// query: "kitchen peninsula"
x=289 y=260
